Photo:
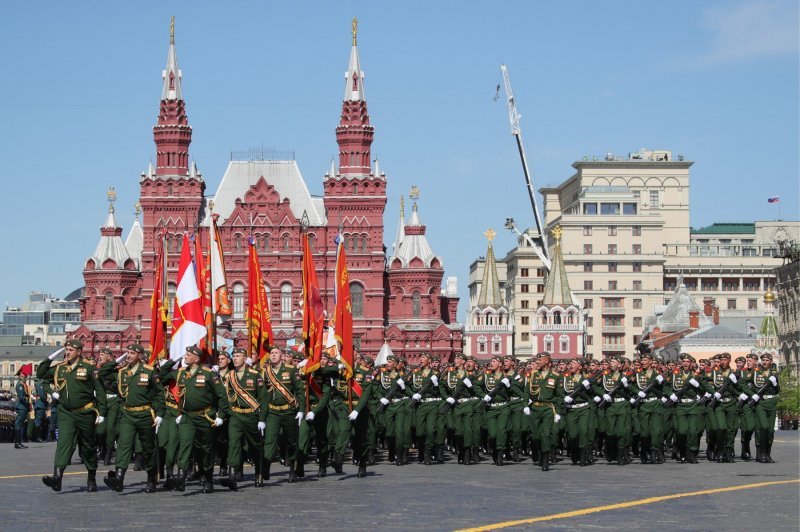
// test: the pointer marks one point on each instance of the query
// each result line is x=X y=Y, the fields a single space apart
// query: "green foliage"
x=789 y=398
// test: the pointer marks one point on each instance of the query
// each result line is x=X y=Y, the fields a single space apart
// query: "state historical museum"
x=397 y=296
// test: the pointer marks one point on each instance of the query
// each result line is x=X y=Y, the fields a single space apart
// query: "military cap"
x=510 y=357
x=542 y=354
x=392 y=357
x=472 y=358
x=686 y=356
x=137 y=348
x=741 y=359
x=725 y=355
x=621 y=359
x=368 y=361
x=766 y=356
x=148 y=352
x=74 y=343
x=436 y=358
x=297 y=356
x=426 y=355
x=240 y=350
x=499 y=358
x=106 y=351
x=646 y=355
x=658 y=358
x=193 y=349
x=752 y=355
x=462 y=356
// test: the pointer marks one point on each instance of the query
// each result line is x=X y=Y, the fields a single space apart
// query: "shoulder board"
x=147 y=366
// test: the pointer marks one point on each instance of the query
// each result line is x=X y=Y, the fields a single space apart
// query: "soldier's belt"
x=242 y=410
x=111 y=396
x=84 y=408
x=726 y=400
x=174 y=406
x=466 y=399
x=431 y=399
x=494 y=405
x=281 y=408
x=138 y=408
x=202 y=411
x=688 y=400
x=515 y=398
x=619 y=399
x=650 y=399
x=399 y=399
x=768 y=396
x=577 y=405
x=542 y=403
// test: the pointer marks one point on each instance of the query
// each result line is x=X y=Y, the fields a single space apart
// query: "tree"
x=789 y=398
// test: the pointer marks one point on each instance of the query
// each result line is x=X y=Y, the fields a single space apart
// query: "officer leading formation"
x=188 y=415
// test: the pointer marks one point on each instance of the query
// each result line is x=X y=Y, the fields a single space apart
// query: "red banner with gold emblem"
x=259 y=322
x=343 y=313
x=312 y=310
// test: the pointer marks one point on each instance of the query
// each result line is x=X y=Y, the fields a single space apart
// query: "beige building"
x=627 y=241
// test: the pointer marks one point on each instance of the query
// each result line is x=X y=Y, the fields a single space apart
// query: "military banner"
x=259 y=322
x=312 y=310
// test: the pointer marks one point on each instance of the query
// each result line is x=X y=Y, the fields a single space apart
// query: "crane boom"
x=514 y=118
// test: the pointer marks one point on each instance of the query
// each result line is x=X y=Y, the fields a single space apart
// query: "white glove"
x=633 y=401
x=707 y=395
x=218 y=422
x=341 y=366
x=506 y=382
x=120 y=359
x=401 y=383
x=261 y=427
x=467 y=382
x=162 y=362
x=353 y=415
x=586 y=383
x=55 y=396
x=743 y=396
x=248 y=361
x=663 y=399
x=568 y=399
x=641 y=394
x=526 y=411
x=517 y=377
x=215 y=368
x=384 y=401
x=694 y=382
x=299 y=417
x=178 y=419
x=717 y=395
x=55 y=354
x=487 y=398
x=435 y=380
x=606 y=398
x=302 y=363
x=310 y=415
x=556 y=419
x=99 y=420
x=624 y=381
x=596 y=399
x=773 y=380
x=158 y=421
x=755 y=397
x=732 y=377
x=416 y=397
x=451 y=401
x=673 y=398
x=660 y=379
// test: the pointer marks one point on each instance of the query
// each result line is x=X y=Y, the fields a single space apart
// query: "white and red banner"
x=188 y=324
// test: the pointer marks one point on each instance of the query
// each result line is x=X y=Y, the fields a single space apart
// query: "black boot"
x=428 y=459
x=37 y=435
x=768 y=454
x=138 y=463
x=54 y=481
x=180 y=480
x=371 y=457
x=230 y=482
x=467 y=456
x=18 y=443
x=338 y=461
x=150 y=487
x=323 y=466
x=362 y=468
x=691 y=456
x=208 y=481
x=115 y=480
x=265 y=473
x=746 y=450
x=392 y=451
x=91 y=481
x=545 y=461
x=501 y=457
x=223 y=471
x=584 y=457
x=292 y=474
x=300 y=465
x=169 y=483
x=420 y=452
x=107 y=456
x=440 y=454
x=515 y=456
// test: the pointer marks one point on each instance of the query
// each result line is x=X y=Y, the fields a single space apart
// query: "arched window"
x=548 y=343
x=286 y=242
x=357 y=299
x=482 y=344
x=109 y=306
x=497 y=345
x=286 y=301
x=238 y=301
x=312 y=240
x=267 y=296
x=265 y=242
x=563 y=343
x=363 y=243
x=557 y=318
x=237 y=242
x=416 y=304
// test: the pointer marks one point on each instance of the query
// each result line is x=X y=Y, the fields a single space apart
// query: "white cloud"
x=751 y=30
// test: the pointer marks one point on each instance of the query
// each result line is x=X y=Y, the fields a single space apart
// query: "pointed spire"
x=111 y=223
x=556 y=290
x=172 y=75
x=354 y=77
x=490 y=286
x=398 y=239
x=377 y=168
x=332 y=171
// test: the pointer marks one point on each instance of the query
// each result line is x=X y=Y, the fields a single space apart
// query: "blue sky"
x=714 y=81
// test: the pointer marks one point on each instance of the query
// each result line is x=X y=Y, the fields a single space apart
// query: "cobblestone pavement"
x=414 y=497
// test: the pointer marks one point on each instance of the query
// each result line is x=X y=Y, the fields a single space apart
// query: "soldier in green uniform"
x=426 y=397
x=247 y=396
x=336 y=398
x=203 y=407
x=576 y=392
x=452 y=380
x=222 y=367
x=724 y=412
x=498 y=413
x=37 y=420
x=81 y=406
x=24 y=408
x=141 y=413
x=286 y=398
x=365 y=429
x=361 y=448
x=315 y=429
x=542 y=392
x=688 y=415
x=766 y=382
x=515 y=405
x=647 y=388
x=107 y=430
x=747 y=415
x=397 y=411
x=617 y=411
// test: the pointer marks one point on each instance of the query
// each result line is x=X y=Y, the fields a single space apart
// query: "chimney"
x=694 y=319
x=707 y=303
x=715 y=311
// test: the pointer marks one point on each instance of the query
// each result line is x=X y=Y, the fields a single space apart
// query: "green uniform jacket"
x=198 y=391
x=422 y=379
x=23 y=399
x=246 y=390
x=643 y=378
x=517 y=390
x=609 y=381
x=717 y=380
x=77 y=384
x=136 y=386
x=543 y=387
x=291 y=390
x=574 y=383
x=492 y=382
x=761 y=378
x=680 y=378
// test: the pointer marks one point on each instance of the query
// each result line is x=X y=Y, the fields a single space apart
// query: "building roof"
x=354 y=77
x=676 y=315
x=283 y=175
x=490 y=286
x=172 y=75
x=135 y=243
x=414 y=244
x=726 y=229
x=556 y=289
x=110 y=245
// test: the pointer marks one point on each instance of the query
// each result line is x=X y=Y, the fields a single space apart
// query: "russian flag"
x=774 y=199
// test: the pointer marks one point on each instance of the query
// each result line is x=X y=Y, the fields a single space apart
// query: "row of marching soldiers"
x=182 y=412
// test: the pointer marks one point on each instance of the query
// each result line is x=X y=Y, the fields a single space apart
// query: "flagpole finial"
x=355 y=30
x=304 y=222
x=172 y=30
x=111 y=194
x=137 y=208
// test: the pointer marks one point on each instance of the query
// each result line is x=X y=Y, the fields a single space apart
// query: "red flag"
x=259 y=322
x=312 y=310
x=158 y=310
x=220 y=303
x=26 y=370
x=188 y=326
x=204 y=286
x=343 y=314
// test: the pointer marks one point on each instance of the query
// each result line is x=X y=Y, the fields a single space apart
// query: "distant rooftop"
x=727 y=228
x=643 y=155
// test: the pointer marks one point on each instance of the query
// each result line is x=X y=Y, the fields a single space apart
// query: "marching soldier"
x=107 y=430
x=542 y=394
x=515 y=404
x=142 y=411
x=747 y=415
x=766 y=399
x=82 y=406
x=338 y=422
x=222 y=366
x=361 y=447
x=247 y=396
x=426 y=397
x=648 y=390
x=203 y=407
x=498 y=414
x=685 y=388
x=397 y=413
x=286 y=395
x=723 y=409
x=576 y=393
x=24 y=408
x=617 y=412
